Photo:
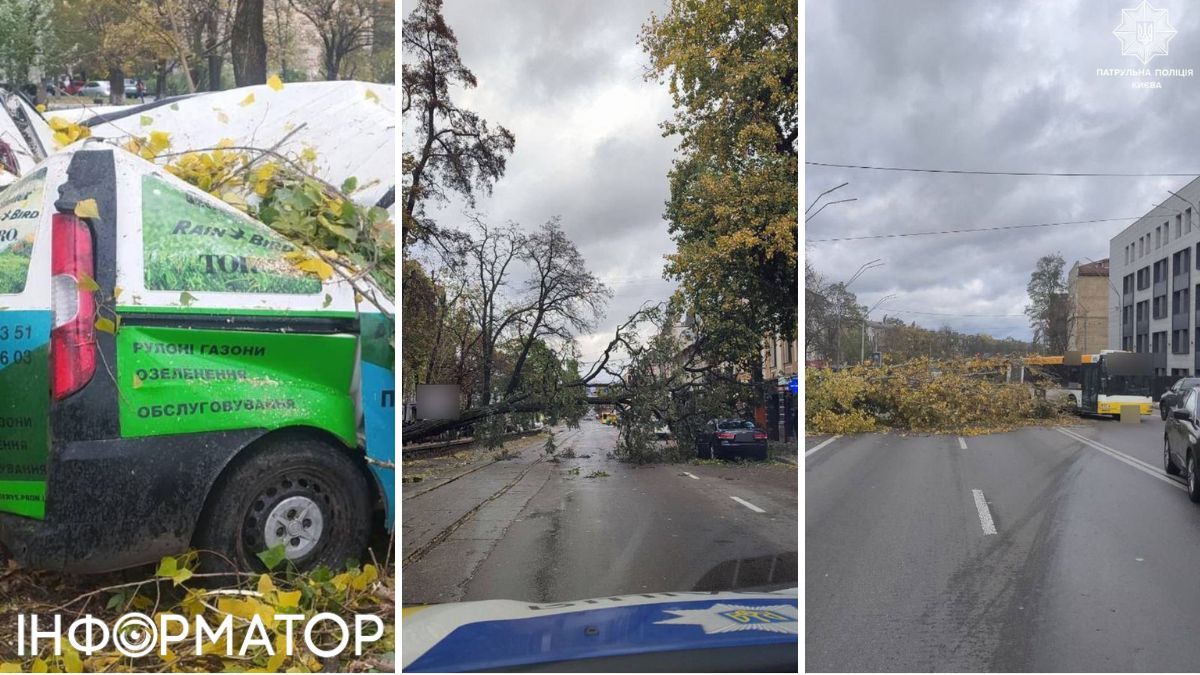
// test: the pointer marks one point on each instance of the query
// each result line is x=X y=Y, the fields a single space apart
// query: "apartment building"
x=1155 y=265
x=1090 y=295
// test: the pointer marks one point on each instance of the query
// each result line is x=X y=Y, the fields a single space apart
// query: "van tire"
x=234 y=520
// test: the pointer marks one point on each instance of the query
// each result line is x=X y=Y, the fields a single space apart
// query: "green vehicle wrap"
x=24 y=434
x=180 y=380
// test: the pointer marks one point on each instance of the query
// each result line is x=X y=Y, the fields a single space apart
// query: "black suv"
x=1174 y=394
x=1181 y=441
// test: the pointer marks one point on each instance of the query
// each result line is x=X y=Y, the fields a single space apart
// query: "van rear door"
x=26 y=322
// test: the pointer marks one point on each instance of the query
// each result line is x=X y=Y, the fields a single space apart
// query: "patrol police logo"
x=1144 y=32
x=725 y=618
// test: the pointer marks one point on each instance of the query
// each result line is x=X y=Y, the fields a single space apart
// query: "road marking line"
x=962 y=443
x=822 y=444
x=1148 y=469
x=985 y=516
x=690 y=475
x=747 y=504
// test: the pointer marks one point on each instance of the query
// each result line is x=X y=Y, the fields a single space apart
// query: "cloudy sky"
x=984 y=86
x=567 y=79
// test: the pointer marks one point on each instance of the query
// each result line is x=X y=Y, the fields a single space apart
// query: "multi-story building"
x=1090 y=294
x=1155 y=264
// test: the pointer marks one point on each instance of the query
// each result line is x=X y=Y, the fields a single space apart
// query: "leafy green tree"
x=1049 y=309
x=26 y=38
x=732 y=70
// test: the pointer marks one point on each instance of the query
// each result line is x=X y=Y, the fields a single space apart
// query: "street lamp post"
x=862 y=343
x=837 y=333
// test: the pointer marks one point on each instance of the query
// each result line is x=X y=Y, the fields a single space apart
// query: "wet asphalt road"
x=1092 y=565
x=528 y=529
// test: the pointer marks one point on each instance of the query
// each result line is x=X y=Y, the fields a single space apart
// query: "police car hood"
x=491 y=634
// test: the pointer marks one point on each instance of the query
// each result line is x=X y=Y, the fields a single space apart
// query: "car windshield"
x=734 y=424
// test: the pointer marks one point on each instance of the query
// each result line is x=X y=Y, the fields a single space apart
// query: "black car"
x=726 y=438
x=1170 y=396
x=1181 y=441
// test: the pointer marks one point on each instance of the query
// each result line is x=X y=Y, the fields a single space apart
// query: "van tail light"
x=760 y=436
x=725 y=435
x=73 y=337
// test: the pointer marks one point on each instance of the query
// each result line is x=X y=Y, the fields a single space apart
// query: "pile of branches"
x=963 y=396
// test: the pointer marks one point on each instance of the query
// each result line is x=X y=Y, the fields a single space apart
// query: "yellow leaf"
x=274 y=82
x=137 y=382
x=159 y=141
x=58 y=123
x=248 y=100
x=87 y=209
x=372 y=96
x=39 y=666
x=87 y=284
x=71 y=660
x=308 y=155
x=265 y=585
x=289 y=599
x=317 y=266
x=365 y=577
x=225 y=143
x=41 y=107
x=341 y=581
x=9 y=667
x=62 y=139
x=105 y=325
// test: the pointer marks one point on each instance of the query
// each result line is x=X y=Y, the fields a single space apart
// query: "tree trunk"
x=160 y=80
x=116 y=84
x=214 y=54
x=248 y=45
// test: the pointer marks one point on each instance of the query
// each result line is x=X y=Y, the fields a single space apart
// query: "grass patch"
x=193 y=246
x=14 y=267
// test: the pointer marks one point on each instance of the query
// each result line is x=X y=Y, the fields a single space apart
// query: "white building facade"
x=1155 y=285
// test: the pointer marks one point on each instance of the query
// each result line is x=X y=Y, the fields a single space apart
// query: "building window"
x=1187 y=221
x=789 y=353
x=1178 y=225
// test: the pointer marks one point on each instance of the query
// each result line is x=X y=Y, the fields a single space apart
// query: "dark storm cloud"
x=567 y=79
x=993 y=86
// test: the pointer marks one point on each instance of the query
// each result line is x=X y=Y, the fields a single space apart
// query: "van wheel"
x=299 y=492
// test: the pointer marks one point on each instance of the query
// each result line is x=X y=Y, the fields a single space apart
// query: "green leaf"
x=169 y=568
x=349 y=184
x=273 y=556
x=186 y=299
x=146 y=120
x=117 y=600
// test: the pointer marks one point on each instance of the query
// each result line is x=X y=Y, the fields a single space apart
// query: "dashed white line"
x=822 y=444
x=985 y=516
x=1138 y=464
x=747 y=504
x=690 y=475
x=962 y=443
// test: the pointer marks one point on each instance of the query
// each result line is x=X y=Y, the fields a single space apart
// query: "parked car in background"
x=95 y=88
x=732 y=438
x=1173 y=396
x=1181 y=441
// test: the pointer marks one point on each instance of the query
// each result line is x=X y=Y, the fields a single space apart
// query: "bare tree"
x=454 y=149
x=345 y=26
x=248 y=44
x=564 y=297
